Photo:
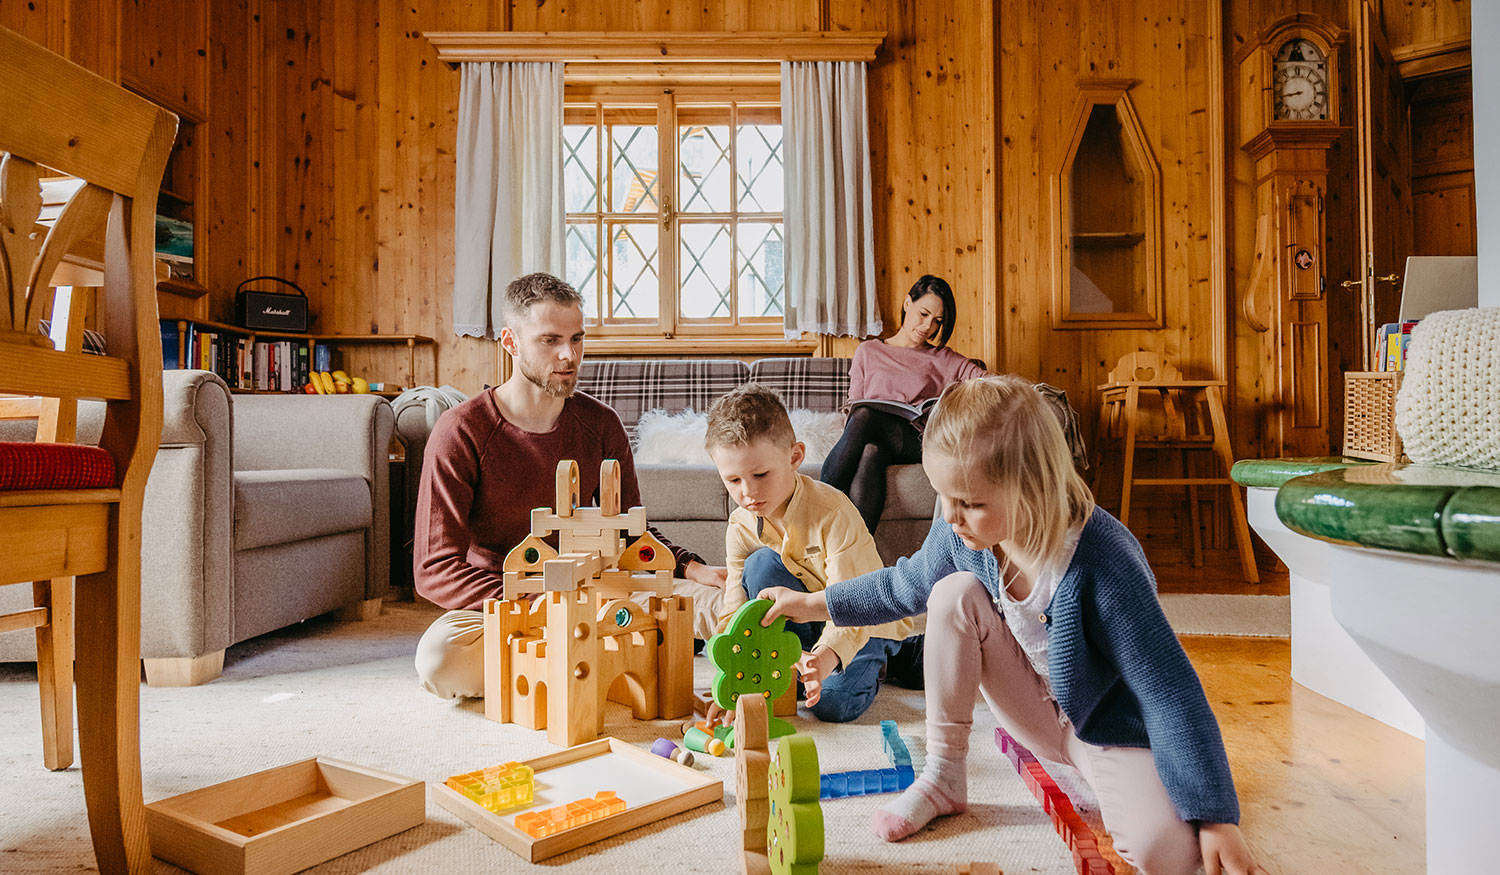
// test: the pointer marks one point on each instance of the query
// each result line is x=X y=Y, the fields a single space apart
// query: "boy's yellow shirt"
x=822 y=541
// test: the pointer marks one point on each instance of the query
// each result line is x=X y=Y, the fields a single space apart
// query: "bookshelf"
x=229 y=362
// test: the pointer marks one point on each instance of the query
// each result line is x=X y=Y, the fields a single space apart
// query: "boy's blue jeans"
x=847 y=693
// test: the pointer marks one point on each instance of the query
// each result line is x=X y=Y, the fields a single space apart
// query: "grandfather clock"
x=1289 y=117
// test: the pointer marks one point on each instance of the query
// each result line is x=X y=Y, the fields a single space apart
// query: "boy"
x=791 y=530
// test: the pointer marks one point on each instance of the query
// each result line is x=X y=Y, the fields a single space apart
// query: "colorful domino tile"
x=1074 y=831
x=540 y=824
x=496 y=788
x=836 y=785
x=895 y=747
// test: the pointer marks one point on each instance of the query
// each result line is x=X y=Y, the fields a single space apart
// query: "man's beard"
x=544 y=379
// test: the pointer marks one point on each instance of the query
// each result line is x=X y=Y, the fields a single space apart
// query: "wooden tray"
x=285 y=819
x=653 y=788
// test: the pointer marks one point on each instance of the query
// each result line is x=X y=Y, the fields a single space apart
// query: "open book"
x=908 y=412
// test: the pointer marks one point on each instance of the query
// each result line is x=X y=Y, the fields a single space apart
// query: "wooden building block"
x=752 y=775
x=979 y=869
x=785 y=705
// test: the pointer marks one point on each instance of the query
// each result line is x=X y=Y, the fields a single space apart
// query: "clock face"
x=1299 y=81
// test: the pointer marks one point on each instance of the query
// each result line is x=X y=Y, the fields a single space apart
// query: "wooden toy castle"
x=551 y=661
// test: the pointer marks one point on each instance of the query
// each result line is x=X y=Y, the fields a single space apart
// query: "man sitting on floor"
x=490 y=461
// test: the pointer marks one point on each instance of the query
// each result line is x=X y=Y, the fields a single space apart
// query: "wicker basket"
x=1370 y=415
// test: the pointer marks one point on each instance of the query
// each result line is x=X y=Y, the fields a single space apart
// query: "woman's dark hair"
x=936 y=285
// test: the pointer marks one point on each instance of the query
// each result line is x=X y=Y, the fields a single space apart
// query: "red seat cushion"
x=54 y=466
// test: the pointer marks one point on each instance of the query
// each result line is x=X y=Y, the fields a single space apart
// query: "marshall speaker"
x=270 y=311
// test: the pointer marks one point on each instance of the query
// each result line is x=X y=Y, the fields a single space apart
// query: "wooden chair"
x=56 y=422
x=1193 y=413
x=68 y=511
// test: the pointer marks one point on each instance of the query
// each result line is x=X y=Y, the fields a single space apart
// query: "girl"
x=1045 y=604
x=911 y=366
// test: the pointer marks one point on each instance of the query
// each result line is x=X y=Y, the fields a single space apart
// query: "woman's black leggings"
x=872 y=441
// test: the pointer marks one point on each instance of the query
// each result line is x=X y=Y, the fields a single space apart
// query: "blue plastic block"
x=887 y=780
x=904 y=777
x=834 y=786
x=894 y=747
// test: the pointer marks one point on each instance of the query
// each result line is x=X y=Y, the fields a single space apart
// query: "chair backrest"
x=1143 y=367
x=99 y=151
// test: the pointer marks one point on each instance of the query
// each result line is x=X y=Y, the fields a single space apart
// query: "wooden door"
x=1383 y=145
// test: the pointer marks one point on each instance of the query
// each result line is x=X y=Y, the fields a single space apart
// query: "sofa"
x=261 y=511
x=686 y=502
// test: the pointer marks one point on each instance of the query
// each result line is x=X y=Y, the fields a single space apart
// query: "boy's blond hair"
x=1002 y=428
x=750 y=412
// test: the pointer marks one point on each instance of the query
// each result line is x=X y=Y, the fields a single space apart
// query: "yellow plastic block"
x=497 y=788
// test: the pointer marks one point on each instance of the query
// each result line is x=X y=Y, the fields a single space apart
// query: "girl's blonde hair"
x=1001 y=427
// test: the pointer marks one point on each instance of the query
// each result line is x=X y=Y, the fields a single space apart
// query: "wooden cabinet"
x=1107 y=209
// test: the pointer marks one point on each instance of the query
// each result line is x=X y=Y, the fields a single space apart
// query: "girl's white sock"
x=942 y=789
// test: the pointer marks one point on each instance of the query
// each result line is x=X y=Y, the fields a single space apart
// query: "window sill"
x=687 y=345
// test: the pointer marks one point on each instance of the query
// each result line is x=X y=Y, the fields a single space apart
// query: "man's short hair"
x=533 y=288
x=749 y=413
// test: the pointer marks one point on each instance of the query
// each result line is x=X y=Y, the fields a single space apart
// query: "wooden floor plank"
x=1322 y=787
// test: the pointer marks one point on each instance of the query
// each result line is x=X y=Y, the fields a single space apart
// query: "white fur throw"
x=1448 y=409
x=663 y=438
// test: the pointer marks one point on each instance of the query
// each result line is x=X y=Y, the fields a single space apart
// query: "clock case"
x=1255 y=62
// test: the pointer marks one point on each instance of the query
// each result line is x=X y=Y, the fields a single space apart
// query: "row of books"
x=1391 y=341
x=265 y=365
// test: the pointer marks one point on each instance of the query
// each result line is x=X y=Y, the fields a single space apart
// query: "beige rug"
x=348 y=691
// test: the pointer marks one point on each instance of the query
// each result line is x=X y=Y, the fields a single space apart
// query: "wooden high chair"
x=71 y=511
x=1193 y=411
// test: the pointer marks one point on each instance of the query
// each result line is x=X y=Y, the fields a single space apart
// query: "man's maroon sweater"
x=481 y=476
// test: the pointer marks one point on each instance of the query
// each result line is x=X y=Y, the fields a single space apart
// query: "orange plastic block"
x=540 y=824
x=497 y=788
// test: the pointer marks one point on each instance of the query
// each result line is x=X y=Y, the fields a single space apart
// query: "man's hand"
x=1224 y=851
x=708 y=575
x=814 y=668
x=799 y=607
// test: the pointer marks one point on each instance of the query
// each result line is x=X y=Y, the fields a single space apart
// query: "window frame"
x=670 y=104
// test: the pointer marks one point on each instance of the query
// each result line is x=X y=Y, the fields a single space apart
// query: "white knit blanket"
x=1448 y=409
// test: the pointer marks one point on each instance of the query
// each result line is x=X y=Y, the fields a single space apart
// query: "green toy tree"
x=794 y=833
x=751 y=659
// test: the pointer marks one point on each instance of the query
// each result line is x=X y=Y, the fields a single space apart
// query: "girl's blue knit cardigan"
x=1117 y=670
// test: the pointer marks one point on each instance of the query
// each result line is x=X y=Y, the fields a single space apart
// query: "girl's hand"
x=1224 y=850
x=799 y=607
x=814 y=668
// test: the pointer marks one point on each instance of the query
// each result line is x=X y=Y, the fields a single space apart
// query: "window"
x=674 y=211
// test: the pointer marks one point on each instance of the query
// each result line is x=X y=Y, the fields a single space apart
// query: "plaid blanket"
x=633 y=387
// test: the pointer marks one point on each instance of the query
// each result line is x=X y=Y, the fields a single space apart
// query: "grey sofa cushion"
x=908 y=494
x=276 y=507
x=682 y=492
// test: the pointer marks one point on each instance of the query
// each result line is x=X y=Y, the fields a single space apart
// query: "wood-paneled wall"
x=330 y=128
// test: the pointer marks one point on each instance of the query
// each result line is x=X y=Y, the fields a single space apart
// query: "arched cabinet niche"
x=1106 y=209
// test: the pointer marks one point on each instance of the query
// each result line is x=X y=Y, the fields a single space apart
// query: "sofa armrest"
x=187 y=542
x=345 y=432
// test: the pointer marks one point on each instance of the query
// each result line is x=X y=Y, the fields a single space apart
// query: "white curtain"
x=509 y=218
x=830 y=260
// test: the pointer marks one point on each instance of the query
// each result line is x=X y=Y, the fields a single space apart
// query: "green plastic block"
x=751 y=659
x=794 y=834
